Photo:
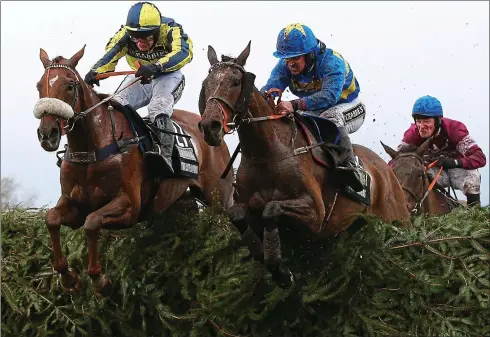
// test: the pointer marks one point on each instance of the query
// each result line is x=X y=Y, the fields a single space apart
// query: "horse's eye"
x=71 y=86
x=236 y=82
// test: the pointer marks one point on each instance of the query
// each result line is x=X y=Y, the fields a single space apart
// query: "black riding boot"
x=473 y=200
x=350 y=172
x=161 y=158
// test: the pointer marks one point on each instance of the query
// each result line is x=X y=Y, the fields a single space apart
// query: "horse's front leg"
x=240 y=218
x=64 y=213
x=301 y=211
x=116 y=214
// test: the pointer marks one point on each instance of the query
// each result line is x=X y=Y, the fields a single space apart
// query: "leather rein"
x=426 y=189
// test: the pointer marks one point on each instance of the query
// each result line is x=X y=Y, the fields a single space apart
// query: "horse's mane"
x=408 y=149
x=58 y=60
x=227 y=58
x=101 y=95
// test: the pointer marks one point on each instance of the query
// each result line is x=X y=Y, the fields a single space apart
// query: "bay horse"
x=410 y=169
x=278 y=184
x=105 y=185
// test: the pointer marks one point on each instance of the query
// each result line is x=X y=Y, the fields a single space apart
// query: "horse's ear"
x=44 y=58
x=422 y=148
x=242 y=58
x=75 y=58
x=392 y=153
x=212 y=57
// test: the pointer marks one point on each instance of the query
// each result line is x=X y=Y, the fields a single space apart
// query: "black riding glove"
x=148 y=71
x=448 y=163
x=90 y=78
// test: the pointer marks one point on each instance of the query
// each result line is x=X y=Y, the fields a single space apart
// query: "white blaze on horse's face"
x=51 y=81
x=218 y=76
x=53 y=106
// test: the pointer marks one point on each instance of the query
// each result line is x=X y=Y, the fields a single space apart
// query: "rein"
x=420 y=200
x=82 y=114
x=114 y=73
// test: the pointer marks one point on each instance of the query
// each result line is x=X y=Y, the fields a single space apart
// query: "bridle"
x=426 y=187
x=99 y=154
x=76 y=97
x=79 y=94
x=240 y=110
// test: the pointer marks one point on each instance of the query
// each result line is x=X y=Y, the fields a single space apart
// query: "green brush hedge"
x=188 y=276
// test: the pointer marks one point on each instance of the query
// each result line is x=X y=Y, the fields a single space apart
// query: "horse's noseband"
x=240 y=109
x=76 y=97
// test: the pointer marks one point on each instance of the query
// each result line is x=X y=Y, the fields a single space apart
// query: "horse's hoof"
x=70 y=282
x=102 y=286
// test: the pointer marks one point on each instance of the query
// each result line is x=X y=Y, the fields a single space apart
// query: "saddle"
x=184 y=159
x=326 y=136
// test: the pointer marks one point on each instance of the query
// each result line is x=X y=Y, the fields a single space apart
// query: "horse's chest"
x=94 y=186
x=258 y=195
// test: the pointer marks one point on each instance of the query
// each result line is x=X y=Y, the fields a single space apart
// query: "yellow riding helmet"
x=143 y=17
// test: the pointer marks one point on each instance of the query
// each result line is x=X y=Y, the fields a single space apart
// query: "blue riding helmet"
x=427 y=106
x=295 y=40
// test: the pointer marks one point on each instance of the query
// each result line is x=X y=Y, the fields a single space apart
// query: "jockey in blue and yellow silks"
x=162 y=48
x=325 y=84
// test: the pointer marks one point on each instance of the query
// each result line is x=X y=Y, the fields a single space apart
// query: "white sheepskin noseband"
x=53 y=106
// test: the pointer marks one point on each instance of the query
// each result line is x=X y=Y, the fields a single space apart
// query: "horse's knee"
x=272 y=210
x=53 y=218
x=237 y=215
x=237 y=212
x=93 y=223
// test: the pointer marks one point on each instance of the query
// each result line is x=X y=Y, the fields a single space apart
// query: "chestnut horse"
x=278 y=185
x=410 y=170
x=111 y=191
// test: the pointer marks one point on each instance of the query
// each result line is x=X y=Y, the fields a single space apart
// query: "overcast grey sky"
x=398 y=51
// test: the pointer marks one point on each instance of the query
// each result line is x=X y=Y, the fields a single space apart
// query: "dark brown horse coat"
x=109 y=193
x=410 y=170
x=277 y=188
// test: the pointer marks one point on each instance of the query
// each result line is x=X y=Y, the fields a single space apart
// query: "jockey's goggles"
x=141 y=36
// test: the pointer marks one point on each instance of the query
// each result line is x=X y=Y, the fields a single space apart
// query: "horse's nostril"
x=215 y=126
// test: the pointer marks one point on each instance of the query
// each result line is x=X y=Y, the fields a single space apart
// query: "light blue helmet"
x=427 y=106
x=295 y=40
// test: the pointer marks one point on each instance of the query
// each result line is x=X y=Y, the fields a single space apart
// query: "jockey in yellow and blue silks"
x=325 y=84
x=162 y=48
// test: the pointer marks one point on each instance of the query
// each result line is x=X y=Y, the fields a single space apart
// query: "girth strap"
x=101 y=153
